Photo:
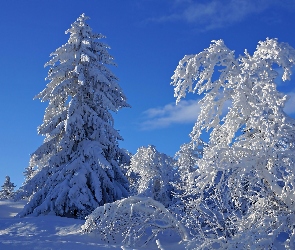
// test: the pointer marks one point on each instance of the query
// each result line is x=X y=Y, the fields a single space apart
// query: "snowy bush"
x=7 y=189
x=261 y=229
x=150 y=174
x=78 y=165
x=250 y=155
x=135 y=221
x=186 y=162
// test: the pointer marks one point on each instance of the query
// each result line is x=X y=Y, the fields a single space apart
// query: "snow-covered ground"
x=50 y=232
x=43 y=232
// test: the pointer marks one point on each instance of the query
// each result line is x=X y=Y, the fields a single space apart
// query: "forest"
x=232 y=186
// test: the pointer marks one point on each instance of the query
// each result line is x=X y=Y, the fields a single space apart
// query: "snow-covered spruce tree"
x=7 y=189
x=152 y=172
x=78 y=163
x=245 y=190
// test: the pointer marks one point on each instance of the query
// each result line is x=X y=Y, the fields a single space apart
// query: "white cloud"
x=183 y=112
x=214 y=14
x=186 y=112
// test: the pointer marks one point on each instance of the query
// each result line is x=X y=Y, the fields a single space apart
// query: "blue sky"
x=147 y=39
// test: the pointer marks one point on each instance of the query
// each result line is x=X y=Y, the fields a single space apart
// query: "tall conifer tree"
x=77 y=165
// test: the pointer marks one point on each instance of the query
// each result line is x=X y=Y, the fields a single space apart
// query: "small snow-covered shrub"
x=7 y=189
x=186 y=162
x=136 y=221
x=151 y=173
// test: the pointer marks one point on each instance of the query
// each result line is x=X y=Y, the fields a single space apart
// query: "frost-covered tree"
x=150 y=173
x=135 y=221
x=139 y=219
x=187 y=157
x=247 y=170
x=7 y=189
x=22 y=193
x=77 y=166
x=186 y=163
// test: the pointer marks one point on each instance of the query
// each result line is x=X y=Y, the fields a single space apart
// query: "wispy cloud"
x=214 y=14
x=186 y=112
x=161 y=117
